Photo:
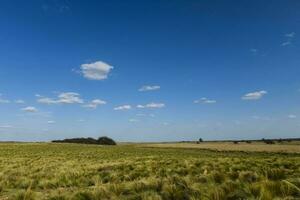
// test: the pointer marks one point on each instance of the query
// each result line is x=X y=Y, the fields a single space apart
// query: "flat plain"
x=143 y=171
x=284 y=147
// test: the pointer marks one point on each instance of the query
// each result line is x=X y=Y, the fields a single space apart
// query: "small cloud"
x=94 y=103
x=51 y=122
x=205 y=100
x=96 y=71
x=165 y=123
x=29 y=109
x=123 y=107
x=19 y=101
x=289 y=39
x=261 y=118
x=254 y=95
x=63 y=98
x=5 y=126
x=291 y=116
x=254 y=51
x=286 y=43
x=152 y=105
x=133 y=120
x=144 y=115
x=290 y=35
x=3 y=100
x=81 y=120
x=149 y=88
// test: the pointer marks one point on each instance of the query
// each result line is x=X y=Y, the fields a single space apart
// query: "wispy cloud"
x=63 y=98
x=205 y=100
x=292 y=116
x=95 y=71
x=149 y=88
x=123 y=107
x=286 y=43
x=254 y=95
x=151 y=105
x=30 y=109
x=51 y=122
x=133 y=120
x=5 y=126
x=289 y=37
x=94 y=103
x=3 y=100
x=254 y=51
x=19 y=101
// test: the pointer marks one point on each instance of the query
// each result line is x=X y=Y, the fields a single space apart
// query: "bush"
x=106 y=141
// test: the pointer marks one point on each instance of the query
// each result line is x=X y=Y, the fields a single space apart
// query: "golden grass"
x=40 y=171
x=229 y=146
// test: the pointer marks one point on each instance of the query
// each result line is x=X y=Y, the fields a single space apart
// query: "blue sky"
x=149 y=70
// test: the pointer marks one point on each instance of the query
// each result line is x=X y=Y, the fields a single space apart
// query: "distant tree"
x=235 y=142
x=106 y=141
x=248 y=142
x=200 y=140
x=89 y=140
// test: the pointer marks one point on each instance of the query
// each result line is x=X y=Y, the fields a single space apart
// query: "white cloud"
x=30 y=109
x=123 y=107
x=286 y=43
x=133 y=120
x=63 y=98
x=94 y=103
x=261 y=118
x=81 y=120
x=69 y=98
x=205 y=100
x=290 y=35
x=96 y=71
x=289 y=38
x=144 y=115
x=291 y=116
x=254 y=51
x=152 y=105
x=5 y=126
x=149 y=88
x=51 y=122
x=19 y=101
x=254 y=95
x=3 y=100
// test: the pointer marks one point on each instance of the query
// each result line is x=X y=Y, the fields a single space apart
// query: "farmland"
x=76 y=171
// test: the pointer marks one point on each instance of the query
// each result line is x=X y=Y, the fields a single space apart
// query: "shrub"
x=106 y=141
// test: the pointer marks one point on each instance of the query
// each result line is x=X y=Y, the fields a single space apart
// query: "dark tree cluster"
x=89 y=140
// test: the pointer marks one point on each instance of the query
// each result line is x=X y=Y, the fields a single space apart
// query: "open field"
x=286 y=147
x=74 y=171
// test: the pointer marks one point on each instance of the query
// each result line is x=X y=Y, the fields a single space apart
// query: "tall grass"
x=83 y=172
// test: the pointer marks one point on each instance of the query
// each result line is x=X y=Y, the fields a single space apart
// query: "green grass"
x=83 y=172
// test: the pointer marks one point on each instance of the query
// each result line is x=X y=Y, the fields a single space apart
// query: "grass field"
x=285 y=147
x=74 y=171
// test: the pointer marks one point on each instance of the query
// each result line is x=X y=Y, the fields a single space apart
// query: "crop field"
x=285 y=147
x=83 y=172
